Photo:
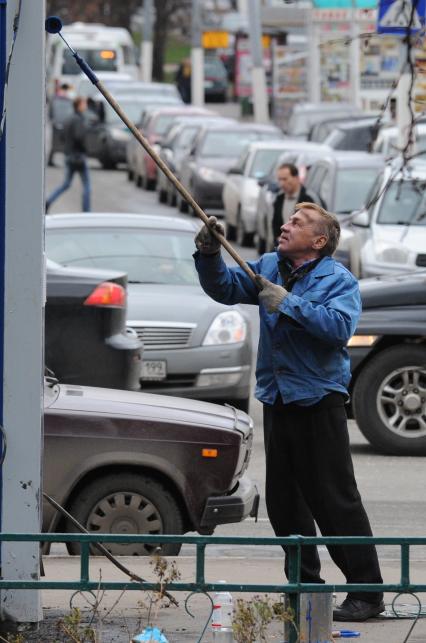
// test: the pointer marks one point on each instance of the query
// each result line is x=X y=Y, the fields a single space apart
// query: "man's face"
x=288 y=184
x=300 y=237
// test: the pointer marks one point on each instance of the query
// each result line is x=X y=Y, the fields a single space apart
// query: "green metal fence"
x=293 y=544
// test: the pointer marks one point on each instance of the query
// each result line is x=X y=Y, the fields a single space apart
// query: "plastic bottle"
x=221 y=624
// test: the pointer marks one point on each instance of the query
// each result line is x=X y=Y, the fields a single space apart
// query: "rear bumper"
x=220 y=510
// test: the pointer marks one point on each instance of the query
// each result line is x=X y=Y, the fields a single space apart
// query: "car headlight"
x=390 y=254
x=119 y=134
x=208 y=174
x=362 y=340
x=228 y=327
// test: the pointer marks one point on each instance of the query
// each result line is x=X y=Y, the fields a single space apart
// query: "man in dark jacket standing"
x=75 y=155
x=291 y=192
x=309 y=305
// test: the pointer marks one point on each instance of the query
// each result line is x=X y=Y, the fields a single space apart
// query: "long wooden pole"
x=177 y=184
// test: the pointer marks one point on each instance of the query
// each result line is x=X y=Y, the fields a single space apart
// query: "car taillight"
x=107 y=294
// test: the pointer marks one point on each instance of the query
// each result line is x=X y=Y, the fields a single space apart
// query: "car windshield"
x=263 y=162
x=420 y=144
x=214 y=69
x=403 y=203
x=132 y=108
x=352 y=186
x=148 y=256
x=97 y=59
x=162 y=123
x=226 y=142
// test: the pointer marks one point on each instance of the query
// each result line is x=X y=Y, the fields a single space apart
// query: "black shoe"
x=354 y=610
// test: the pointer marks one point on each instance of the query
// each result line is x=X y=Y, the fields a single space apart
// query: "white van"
x=106 y=49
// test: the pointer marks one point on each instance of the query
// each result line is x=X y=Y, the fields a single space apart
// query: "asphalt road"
x=392 y=487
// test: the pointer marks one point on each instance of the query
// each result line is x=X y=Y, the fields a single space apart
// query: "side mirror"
x=235 y=170
x=362 y=220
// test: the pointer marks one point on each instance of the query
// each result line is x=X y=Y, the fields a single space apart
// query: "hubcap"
x=126 y=512
x=401 y=402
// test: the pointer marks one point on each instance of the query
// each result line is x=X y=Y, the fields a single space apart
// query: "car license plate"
x=154 y=370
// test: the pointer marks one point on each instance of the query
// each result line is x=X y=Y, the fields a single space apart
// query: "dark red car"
x=135 y=463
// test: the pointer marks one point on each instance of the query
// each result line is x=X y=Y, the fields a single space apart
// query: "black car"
x=86 y=341
x=388 y=358
x=60 y=110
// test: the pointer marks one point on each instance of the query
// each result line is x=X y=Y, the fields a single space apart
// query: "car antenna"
x=53 y=25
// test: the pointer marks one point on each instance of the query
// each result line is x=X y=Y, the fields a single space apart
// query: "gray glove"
x=205 y=241
x=270 y=295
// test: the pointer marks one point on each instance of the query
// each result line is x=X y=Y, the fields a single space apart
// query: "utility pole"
x=197 y=57
x=403 y=112
x=314 y=59
x=146 y=48
x=354 y=53
x=21 y=318
x=260 y=94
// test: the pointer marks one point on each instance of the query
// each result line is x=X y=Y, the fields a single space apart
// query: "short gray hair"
x=329 y=226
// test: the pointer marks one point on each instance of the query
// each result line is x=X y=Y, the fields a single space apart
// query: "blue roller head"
x=53 y=24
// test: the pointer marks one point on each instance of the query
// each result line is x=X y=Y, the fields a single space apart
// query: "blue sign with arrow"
x=399 y=16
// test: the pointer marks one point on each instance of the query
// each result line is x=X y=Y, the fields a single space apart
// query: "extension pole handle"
x=177 y=184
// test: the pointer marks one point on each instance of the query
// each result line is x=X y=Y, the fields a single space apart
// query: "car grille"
x=159 y=335
x=421 y=261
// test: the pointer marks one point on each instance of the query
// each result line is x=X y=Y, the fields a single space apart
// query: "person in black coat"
x=291 y=192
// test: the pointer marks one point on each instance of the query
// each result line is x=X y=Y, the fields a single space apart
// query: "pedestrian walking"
x=183 y=80
x=75 y=155
x=309 y=305
x=291 y=192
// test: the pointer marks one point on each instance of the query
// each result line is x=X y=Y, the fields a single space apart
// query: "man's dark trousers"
x=310 y=478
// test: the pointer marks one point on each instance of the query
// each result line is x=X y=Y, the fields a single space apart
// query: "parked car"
x=193 y=346
x=137 y=463
x=85 y=87
x=388 y=357
x=119 y=83
x=241 y=188
x=152 y=103
x=387 y=140
x=154 y=129
x=302 y=154
x=215 y=79
x=390 y=236
x=174 y=147
x=60 y=110
x=215 y=150
x=86 y=340
x=319 y=131
x=304 y=115
x=107 y=136
x=358 y=135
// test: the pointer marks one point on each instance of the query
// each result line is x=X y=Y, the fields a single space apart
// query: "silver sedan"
x=193 y=346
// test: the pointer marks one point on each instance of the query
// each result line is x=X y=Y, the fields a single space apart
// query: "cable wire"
x=9 y=60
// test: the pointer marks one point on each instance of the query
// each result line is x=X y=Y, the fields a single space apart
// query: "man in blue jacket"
x=309 y=305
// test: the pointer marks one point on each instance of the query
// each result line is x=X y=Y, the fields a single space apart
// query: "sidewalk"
x=177 y=624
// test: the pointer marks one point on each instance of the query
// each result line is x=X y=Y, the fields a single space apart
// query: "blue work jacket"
x=302 y=348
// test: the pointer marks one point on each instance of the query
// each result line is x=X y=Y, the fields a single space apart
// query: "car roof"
x=354 y=159
x=121 y=220
x=414 y=169
x=392 y=130
x=356 y=124
x=319 y=107
x=289 y=145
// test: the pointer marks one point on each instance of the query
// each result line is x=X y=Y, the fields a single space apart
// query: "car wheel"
x=244 y=239
x=170 y=198
x=130 y=175
x=231 y=232
x=162 y=196
x=127 y=504
x=390 y=400
x=182 y=204
x=138 y=180
x=108 y=164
